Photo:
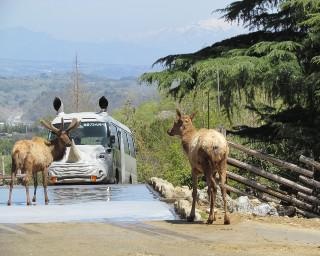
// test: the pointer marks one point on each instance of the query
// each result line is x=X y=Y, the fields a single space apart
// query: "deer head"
x=62 y=135
x=182 y=123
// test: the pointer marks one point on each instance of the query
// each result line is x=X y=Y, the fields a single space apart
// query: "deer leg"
x=210 y=217
x=212 y=187
x=26 y=184
x=44 y=179
x=194 y=196
x=13 y=175
x=223 y=176
x=35 y=183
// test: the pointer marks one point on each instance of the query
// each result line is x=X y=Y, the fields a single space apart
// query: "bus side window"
x=131 y=145
x=113 y=131
x=125 y=143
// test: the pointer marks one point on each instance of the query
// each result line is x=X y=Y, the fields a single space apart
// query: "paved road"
x=130 y=220
x=254 y=236
x=85 y=203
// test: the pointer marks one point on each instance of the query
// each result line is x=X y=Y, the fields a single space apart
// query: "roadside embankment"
x=181 y=197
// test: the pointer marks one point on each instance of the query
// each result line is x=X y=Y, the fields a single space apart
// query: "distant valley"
x=23 y=68
x=27 y=88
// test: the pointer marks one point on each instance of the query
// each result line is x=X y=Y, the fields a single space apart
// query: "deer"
x=35 y=155
x=207 y=151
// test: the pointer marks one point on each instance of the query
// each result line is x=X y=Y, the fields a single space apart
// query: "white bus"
x=102 y=151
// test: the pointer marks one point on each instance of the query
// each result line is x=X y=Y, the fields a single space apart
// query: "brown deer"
x=33 y=156
x=207 y=151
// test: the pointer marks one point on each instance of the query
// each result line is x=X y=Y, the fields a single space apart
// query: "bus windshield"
x=88 y=133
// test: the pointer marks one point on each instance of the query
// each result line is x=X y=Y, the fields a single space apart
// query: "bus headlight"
x=53 y=179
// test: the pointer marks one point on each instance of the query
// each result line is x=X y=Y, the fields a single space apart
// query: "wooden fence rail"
x=268 y=190
x=311 y=199
x=310 y=182
x=268 y=175
x=273 y=160
x=307 y=197
x=309 y=161
x=8 y=177
x=237 y=191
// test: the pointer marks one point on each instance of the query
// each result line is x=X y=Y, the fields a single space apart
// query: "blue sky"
x=161 y=27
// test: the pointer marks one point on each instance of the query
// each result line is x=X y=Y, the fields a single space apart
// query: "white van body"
x=102 y=151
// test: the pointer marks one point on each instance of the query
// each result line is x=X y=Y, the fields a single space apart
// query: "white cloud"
x=185 y=38
x=211 y=24
x=202 y=26
x=214 y=24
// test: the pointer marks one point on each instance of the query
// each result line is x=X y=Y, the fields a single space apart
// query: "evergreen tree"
x=279 y=59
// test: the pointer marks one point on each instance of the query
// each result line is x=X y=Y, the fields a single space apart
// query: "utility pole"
x=209 y=108
x=218 y=84
x=203 y=108
x=76 y=90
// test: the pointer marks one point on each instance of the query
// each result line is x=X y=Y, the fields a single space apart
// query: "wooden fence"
x=305 y=194
x=6 y=176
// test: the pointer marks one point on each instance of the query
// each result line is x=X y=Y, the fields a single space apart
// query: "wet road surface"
x=91 y=203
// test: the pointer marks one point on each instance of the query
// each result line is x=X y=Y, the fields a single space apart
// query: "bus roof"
x=89 y=117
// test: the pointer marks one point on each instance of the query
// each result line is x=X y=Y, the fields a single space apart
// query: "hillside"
x=28 y=98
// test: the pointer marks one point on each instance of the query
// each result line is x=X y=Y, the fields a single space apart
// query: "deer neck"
x=186 y=138
x=58 y=149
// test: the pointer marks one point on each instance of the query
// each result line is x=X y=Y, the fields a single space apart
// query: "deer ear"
x=192 y=115
x=178 y=113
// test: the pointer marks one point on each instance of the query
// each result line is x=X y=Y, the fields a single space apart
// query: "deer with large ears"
x=33 y=156
x=207 y=151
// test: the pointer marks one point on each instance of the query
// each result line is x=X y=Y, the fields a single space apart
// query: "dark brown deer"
x=207 y=151
x=33 y=156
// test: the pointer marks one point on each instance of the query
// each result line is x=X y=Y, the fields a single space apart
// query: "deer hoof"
x=34 y=199
x=9 y=203
x=226 y=221
x=209 y=221
x=28 y=203
x=190 y=218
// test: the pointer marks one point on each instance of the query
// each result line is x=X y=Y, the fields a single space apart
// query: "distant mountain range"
x=23 y=44
x=22 y=68
x=34 y=68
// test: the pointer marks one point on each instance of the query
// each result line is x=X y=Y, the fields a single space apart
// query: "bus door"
x=116 y=153
x=130 y=158
x=122 y=157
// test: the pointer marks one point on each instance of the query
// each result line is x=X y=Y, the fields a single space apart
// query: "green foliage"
x=159 y=154
x=6 y=146
x=278 y=65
